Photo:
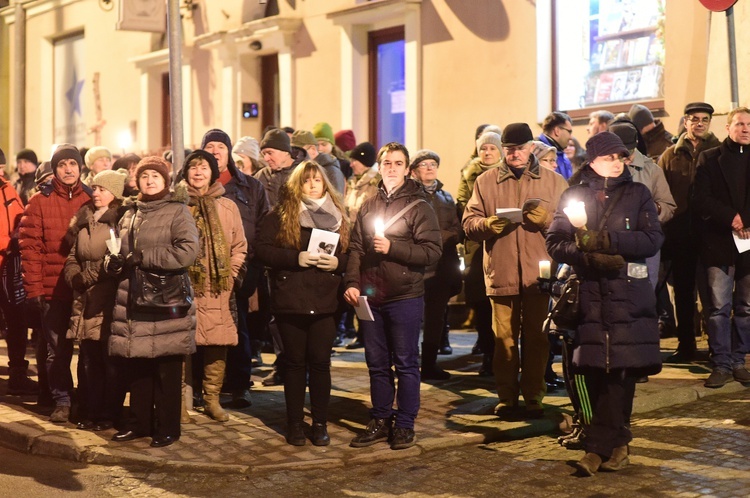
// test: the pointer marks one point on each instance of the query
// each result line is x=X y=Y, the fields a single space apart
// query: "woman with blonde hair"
x=305 y=290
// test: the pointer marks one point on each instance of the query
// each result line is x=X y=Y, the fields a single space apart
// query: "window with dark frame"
x=387 y=95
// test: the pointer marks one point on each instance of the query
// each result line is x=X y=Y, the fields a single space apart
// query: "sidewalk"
x=454 y=412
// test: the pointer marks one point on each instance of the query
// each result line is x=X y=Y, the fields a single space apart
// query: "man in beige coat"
x=513 y=245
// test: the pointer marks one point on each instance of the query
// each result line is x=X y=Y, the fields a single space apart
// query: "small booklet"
x=323 y=241
x=741 y=244
x=363 y=309
x=515 y=215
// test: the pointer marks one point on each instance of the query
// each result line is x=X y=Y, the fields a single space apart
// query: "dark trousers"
x=239 y=357
x=606 y=406
x=436 y=297
x=308 y=340
x=59 y=350
x=155 y=395
x=98 y=388
x=684 y=265
x=392 y=341
x=16 y=335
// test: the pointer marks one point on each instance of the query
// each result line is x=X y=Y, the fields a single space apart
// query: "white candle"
x=576 y=213
x=544 y=269
x=379 y=227
x=112 y=237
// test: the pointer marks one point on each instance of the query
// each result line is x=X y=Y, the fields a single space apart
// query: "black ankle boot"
x=320 y=434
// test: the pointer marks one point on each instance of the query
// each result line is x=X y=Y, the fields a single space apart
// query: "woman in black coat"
x=305 y=290
x=617 y=339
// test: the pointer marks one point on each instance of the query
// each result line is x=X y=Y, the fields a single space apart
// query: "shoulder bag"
x=11 y=275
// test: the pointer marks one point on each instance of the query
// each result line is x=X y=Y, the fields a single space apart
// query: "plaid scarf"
x=319 y=213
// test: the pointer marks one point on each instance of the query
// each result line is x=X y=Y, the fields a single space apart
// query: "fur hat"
x=422 y=155
x=489 y=138
x=247 y=146
x=516 y=134
x=112 y=180
x=27 y=154
x=302 y=138
x=323 y=131
x=345 y=140
x=155 y=163
x=95 y=153
x=627 y=133
x=364 y=153
x=603 y=144
x=217 y=135
x=209 y=158
x=65 y=151
x=640 y=116
x=276 y=139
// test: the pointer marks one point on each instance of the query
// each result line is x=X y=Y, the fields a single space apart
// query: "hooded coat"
x=618 y=324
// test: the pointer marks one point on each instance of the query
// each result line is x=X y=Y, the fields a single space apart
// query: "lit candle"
x=544 y=269
x=379 y=227
x=113 y=244
x=576 y=213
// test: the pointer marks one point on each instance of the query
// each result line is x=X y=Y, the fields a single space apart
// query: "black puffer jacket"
x=618 y=328
x=415 y=244
x=446 y=270
x=294 y=289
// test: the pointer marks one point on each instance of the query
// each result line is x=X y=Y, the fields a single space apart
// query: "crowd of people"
x=282 y=242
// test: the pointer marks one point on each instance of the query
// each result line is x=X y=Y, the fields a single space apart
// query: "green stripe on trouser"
x=583 y=396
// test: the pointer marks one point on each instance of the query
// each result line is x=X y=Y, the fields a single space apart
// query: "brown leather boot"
x=214 y=365
x=589 y=464
x=618 y=461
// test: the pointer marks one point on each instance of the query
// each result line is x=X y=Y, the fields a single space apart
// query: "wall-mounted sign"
x=142 y=15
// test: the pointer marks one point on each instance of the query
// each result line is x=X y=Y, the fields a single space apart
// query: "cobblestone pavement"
x=697 y=449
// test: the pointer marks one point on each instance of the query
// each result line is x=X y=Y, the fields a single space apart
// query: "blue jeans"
x=392 y=340
x=728 y=292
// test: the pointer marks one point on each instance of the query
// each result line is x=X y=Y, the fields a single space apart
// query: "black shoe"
x=445 y=350
x=295 y=434
x=741 y=375
x=102 y=426
x=256 y=360
x=476 y=349
x=275 y=379
x=320 y=435
x=379 y=429
x=718 y=378
x=338 y=342
x=85 y=425
x=122 y=436
x=641 y=380
x=403 y=438
x=435 y=373
x=355 y=344
x=241 y=399
x=486 y=369
x=161 y=441
x=680 y=357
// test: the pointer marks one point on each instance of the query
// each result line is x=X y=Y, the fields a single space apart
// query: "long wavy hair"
x=289 y=205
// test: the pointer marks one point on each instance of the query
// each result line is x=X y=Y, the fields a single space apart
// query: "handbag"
x=161 y=294
x=11 y=275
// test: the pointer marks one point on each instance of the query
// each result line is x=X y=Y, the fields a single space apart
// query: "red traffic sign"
x=718 y=5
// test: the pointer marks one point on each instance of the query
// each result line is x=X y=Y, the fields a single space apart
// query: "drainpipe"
x=19 y=79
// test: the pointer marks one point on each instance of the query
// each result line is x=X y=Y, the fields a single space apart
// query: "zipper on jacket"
x=606 y=341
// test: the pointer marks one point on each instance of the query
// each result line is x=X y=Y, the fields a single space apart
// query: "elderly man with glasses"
x=557 y=130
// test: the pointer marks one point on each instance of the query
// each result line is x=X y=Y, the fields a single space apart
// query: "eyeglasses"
x=569 y=130
x=428 y=165
x=696 y=120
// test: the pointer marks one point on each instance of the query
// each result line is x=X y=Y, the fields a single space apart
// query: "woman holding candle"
x=617 y=339
x=305 y=291
x=94 y=292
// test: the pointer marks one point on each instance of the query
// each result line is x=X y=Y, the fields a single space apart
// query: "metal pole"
x=732 y=58
x=19 y=79
x=174 y=29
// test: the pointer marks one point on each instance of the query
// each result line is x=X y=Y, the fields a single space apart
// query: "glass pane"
x=391 y=93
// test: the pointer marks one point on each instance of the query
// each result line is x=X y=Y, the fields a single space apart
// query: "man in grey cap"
x=656 y=137
x=519 y=183
x=679 y=163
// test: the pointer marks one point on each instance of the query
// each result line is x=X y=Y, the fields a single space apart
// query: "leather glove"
x=604 y=262
x=592 y=240
x=78 y=283
x=328 y=262
x=133 y=259
x=537 y=215
x=113 y=263
x=307 y=258
x=496 y=224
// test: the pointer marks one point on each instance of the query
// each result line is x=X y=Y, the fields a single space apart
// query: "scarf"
x=213 y=263
x=153 y=197
x=319 y=213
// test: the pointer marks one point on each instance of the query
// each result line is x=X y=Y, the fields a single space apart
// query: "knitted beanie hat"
x=640 y=116
x=201 y=154
x=422 y=155
x=323 y=131
x=364 y=153
x=276 y=139
x=27 y=154
x=217 y=135
x=95 y=153
x=112 y=180
x=627 y=133
x=247 y=146
x=157 y=164
x=516 y=134
x=43 y=172
x=604 y=144
x=345 y=140
x=541 y=149
x=490 y=138
x=65 y=151
x=302 y=138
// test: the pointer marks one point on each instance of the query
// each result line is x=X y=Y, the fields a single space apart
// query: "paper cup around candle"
x=544 y=269
x=576 y=213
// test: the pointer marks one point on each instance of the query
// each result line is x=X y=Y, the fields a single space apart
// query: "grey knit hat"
x=247 y=146
x=541 y=149
x=276 y=139
x=95 y=153
x=640 y=116
x=422 y=155
x=112 y=180
x=489 y=138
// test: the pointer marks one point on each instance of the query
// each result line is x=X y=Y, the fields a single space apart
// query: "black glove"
x=113 y=263
x=592 y=240
x=78 y=283
x=135 y=258
x=604 y=262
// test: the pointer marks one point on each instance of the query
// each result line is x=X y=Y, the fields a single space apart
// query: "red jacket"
x=44 y=248
x=12 y=209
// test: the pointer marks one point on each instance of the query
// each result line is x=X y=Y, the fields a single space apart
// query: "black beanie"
x=65 y=151
x=29 y=155
x=209 y=158
x=604 y=144
x=276 y=139
x=217 y=135
x=364 y=153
